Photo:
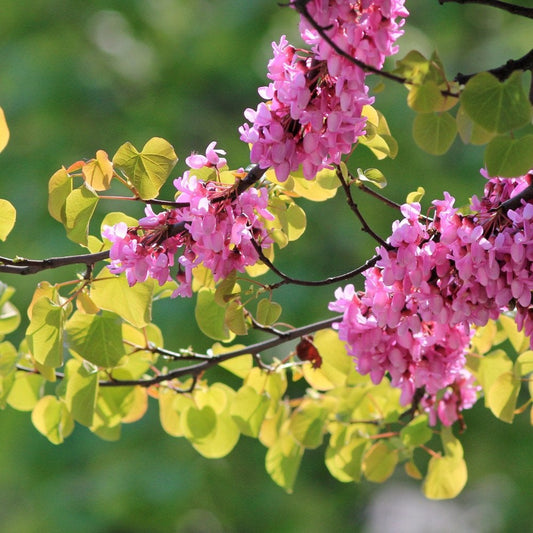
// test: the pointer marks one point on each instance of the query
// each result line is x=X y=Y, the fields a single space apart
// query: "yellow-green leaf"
x=8 y=216
x=234 y=318
x=79 y=208
x=344 y=456
x=81 y=391
x=97 y=338
x=4 y=130
x=416 y=432
x=248 y=410
x=25 y=391
x=133 y=304
x=148 y=169
x=210 y=316
x=45 y=332
x=508 y=157
x=502 y=396
x=496 y=106
x=307 y=424
x=379 y=462
x=415 y=196
x=51 y=418
x=98 y=172
x=425 y=98
x=9 y=318
x=267 y=311
x=240 y=366
x=59 y=189
x=469 y=131
x=445 y=478
x=434 y=132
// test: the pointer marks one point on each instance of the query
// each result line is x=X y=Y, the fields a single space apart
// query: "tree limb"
x=511 y=8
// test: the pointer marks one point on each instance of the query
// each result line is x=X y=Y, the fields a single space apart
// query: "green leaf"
x=502 y=396
x=374 y=176
x=225 y=435
x=337 y=367
x=283 y=460
x=307 y=424
x=81 y=391
x=469 y=131
x=509 y=158
x=8 y=215
x=267 y=311
x=518 y=339
x=425 y=98
x=45 y=332
x=234 y=318
x=25 y=391
x=96 y=338
x=416 y=196
x=9 y=318
x=434 y=133
x=210 y=316
x=199 y=423
x=379 y=462
x=171 y=408
x=149 y=169
x=524 y=364
x=59 y=189
x=496 y=106
x=296 y=221
x=344 y=455
x=248 y=410
x=490 y=367
x=239 y=366
x=133 y=304
x=4 y=130
x=79 y=208
x=98 y=172
x=416 y=432
x=445 y=479
x=51 y=418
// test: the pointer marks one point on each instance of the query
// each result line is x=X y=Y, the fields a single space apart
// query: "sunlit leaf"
x=81 y=391
x=283 y=461
x=518 y=339
x=133 y=304
x=296 y=221
x=98 y=172
x=240 y=366
x=148 y=169
x=508 y=157
x=248 y=410
x=496 y=106
x=210 y=316
x=434 y=132
x=45 y=332
x=97 y=338
x=445 y=479
x=4 y=130
x=373 y=176
x=524 y=363
x=25 y=391
x=234 y=318
x=415 y=196
x=416 y=432
x=344 y=456
x=9 y=318
x=52 y=419
x=379 y=462
x=79 y=208
x=171 y=407
x=267 y=311
x=8 y=216
x=470 y=131
x=59 y=189
x=425 y=98
x=307 y=424
x=502 y=395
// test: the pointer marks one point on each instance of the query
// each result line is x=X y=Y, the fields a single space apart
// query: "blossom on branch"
x=312 y=114
x=215 y=228
x=439 y=279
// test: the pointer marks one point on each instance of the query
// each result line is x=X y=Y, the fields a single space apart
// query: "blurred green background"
x=78 y=76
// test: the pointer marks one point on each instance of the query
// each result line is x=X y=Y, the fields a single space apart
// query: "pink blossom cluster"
x=312 y=113
x=215 y=227
x=436 y=279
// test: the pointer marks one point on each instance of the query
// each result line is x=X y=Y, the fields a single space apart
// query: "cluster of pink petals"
x=312 y=110
x=215 y=228
x=438 y=278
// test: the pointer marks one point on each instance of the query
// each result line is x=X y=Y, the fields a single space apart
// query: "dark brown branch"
x=286 y=280
x=516 y=201
x=510 y=8
x=197 y=369
x=32 y=266
x=504 y=71
x=355 y=209
x=380 y=197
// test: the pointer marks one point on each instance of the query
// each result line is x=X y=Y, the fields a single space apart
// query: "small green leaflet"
x=8 y=215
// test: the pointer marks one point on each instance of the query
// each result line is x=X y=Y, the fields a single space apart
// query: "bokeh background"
x=78 y=76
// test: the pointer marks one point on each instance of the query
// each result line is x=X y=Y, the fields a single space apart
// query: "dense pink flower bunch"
x=312 y=110
x=214 y=228
x=437 y=279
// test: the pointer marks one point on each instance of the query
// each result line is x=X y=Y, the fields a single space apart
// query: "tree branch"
x=511 y=8
x=32 y=266
x=504 y=71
